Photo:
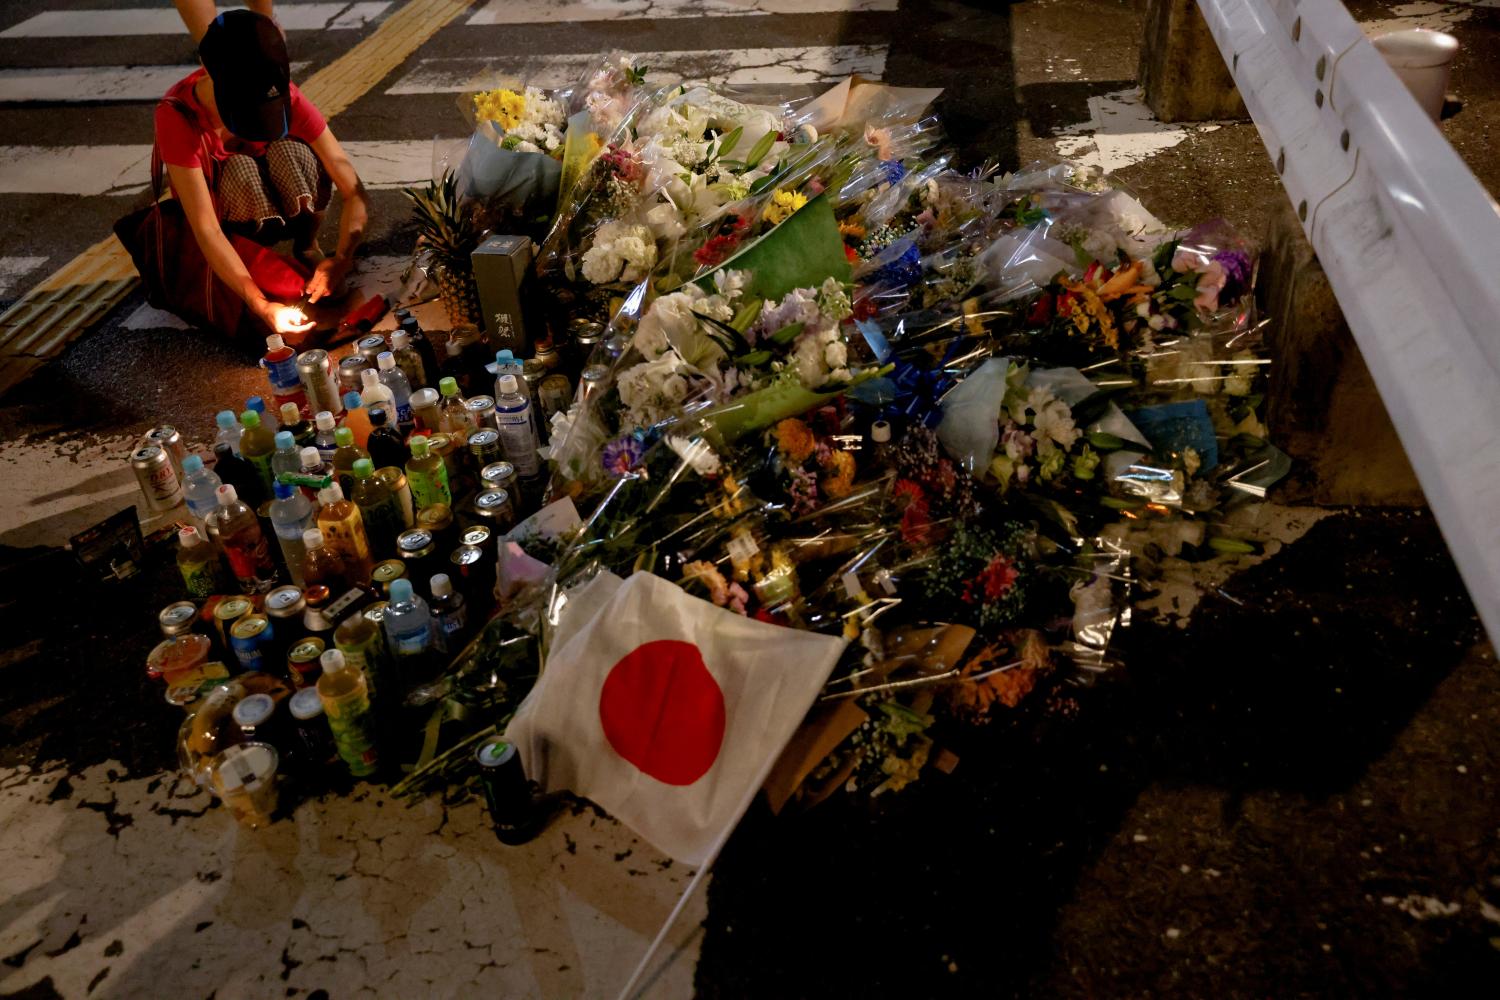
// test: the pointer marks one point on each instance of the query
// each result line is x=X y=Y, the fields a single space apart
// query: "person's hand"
x=327 y=278
x=284 y=319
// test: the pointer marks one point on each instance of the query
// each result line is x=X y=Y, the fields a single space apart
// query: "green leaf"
x=787 y=334
x=754 y=359
x=748 y=314
x=1105 y=441
x=763 y=183
x=1233 y=546
x=759 y=150
x=799 y=253
x=736 y=340
x=728 y=142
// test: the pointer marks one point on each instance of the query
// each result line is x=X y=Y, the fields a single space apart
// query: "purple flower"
x=621 y=455
x=1236 y=265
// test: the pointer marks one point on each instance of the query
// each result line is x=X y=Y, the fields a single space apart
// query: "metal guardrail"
x=1408 y=238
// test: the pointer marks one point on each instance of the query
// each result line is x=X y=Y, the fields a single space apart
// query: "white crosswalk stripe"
x=163 y=20
x=13 y=269
x=96 y=84
x=800 y=64
x=572 y=11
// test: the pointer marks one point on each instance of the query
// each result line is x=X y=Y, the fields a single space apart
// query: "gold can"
x=303 y=662
x=229 y=611
x=387 y=573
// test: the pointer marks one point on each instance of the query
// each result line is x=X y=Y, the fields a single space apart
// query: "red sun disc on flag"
x=663 y=711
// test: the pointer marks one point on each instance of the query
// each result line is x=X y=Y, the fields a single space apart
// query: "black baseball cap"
x=245 y=55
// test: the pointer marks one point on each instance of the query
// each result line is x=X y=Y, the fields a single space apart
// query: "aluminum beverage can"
x=484 y=447
x=250 y=638
x=498 y=476
x=387 y=573
x=159 y=483
x=481 y=411
x=533 y=372
x=349 y=377
x=226 y=613
x=315 y=739
x=316 y=372
x=302 y=662
x=437 y=520
x=554 y=395
x=370 y=347
x=496 y=509
x=168 y=439
x=417 y=551
x=472 y=570
x=177 y=618
x=592 y=382
x=507 y=793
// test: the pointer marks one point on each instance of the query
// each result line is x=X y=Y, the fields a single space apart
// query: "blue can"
x=251 y=639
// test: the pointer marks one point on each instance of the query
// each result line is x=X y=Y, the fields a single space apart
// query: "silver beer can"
x=168 y=439
x=316 y=372
x=159 y=483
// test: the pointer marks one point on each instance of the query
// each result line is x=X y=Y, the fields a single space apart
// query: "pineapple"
x=447 y=235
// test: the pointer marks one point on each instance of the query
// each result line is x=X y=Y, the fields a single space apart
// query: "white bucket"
x=1422 y=59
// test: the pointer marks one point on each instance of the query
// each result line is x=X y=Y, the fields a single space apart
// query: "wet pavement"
x=1289 y=789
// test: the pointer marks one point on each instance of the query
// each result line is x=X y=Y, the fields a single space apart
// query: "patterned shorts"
x=286 y=182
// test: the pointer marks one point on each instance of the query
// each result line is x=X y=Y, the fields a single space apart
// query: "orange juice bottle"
x=357 y=418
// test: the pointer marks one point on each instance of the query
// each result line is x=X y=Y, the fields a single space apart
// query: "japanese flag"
x=666 y=710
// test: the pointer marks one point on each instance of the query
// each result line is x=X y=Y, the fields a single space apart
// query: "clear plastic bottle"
x=356 y=417
x=517 y=432
x=409 y=361
x=427 y=476
x=198 y=561
x=287 y=457
x=385 y=447
x=344 y=457
x=394 y=379
x=408 y=630
x=229 y=430
x=346 y=702
x=257 y=446
x=452 y=417
x=267 y=420
x=291 y=516
x=249 y=554
x=280 y=363
x=322 y=565
x=449 y=615
x=314 y=467
x=454 y=366
x=235 y=471
x=375 y=392
x=343 y=530
x=199 y=486
x=425 y=410
x=507 y=363
x=420 y=343
x=324 y=426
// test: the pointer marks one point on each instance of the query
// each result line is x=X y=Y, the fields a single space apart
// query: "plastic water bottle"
x=517 y=432
x=508 y=364
x=374 y=391
x=229 y=430
x=287 y=458
x=394 y=379
x=267 y=420
x=280 y=363
x=408 y=630
x=449 y=615
x=408 y=360
x=323 y=440
x=199 y=486
x=314 y=466
x=291 y=515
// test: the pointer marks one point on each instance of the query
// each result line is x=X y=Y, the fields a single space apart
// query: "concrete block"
x=1322 y=407
x=1182 y=74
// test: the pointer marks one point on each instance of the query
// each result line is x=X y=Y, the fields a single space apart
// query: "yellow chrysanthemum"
x=783 y=203
x=501 y=106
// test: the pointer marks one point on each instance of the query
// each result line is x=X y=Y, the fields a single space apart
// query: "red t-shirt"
x=183 y=143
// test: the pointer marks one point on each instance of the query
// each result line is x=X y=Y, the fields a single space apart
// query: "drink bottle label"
x=353 y=728
x=517 y=441
x=199 y=578
x=342 y=537
x=262 y=466
x=428 y=488
x=250 y=561
x=412 y=642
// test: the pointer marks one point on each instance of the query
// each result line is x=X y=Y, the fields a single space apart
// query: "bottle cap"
x=312 y=538
x=351 y=400
x=290 y=413
x=370 y=377
x=441 y=585
x=324 y=421
x=332 y=661
x=424 y=397
x=400 y=340
x=332 y=493
x=504 y=357
x=386 y=360
x=400 y=591
x=377 y=416
x=226 y=495
x=305 y=705
x=364 y=468
x=506 y=384
x=311 y=458
x=192 y=464
x=284 y=440
x=254 y=709
x=189 y=536
x=250 y=418
x=226 y=419
x=418 y=446
x=448 y=386
x=453 y=347
x=343 y=437
x=274 y=342
x=256 y=403
x=880 y=432
x=284 y=491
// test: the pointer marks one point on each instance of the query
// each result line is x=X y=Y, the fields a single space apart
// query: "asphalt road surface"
x=1289 y=790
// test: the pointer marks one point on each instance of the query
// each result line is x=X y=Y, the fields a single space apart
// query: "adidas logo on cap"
x=272 y=93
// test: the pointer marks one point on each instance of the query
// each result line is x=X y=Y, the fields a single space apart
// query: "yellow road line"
x=81 y=292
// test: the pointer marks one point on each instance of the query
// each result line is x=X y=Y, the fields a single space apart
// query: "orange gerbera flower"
x=795 y=439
